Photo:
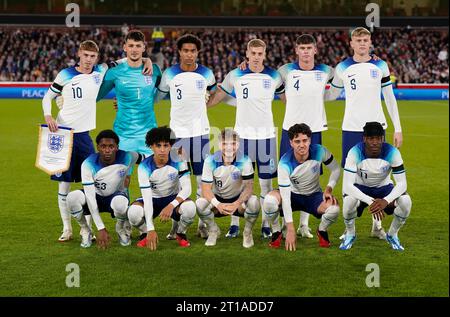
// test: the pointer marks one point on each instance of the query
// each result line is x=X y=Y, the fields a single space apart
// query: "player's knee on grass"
x=349 y=207
x=136 y=215
x=404 y=203
x=119 y=205
x=75 y=201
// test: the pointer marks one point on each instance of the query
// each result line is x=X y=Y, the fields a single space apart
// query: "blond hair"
x=228 y=134
x=360 y=31
x=256 y=43
x=89 y=46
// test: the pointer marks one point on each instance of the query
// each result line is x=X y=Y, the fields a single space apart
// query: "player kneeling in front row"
x=165 y=184
x=104 y=178
x=298 y=179
x=367 y=182
x=227 y=187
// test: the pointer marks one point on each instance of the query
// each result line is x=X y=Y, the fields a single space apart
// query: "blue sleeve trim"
x=208 y=182
x=144 y=187
x=354 y=172
x=87 y=184
x=284 y=185
x=388 y=84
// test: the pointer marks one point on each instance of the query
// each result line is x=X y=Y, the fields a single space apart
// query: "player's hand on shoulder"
x=152 y=240
x=52 y=125
x=243 y=65
x=103 y=239
x=148 y=67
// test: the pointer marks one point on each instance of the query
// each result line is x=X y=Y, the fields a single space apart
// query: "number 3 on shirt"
x=179 y=94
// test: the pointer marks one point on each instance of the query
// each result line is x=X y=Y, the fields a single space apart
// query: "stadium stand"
x=35 y=54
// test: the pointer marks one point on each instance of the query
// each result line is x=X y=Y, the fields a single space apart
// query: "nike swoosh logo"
x=178 y=85
x=297 y=76
x=244 y=84
x=351 y=75
x=74 y=84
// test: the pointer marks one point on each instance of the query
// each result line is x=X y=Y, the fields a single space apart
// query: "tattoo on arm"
x=248 y=190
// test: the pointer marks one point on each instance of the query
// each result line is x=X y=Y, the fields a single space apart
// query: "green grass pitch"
x=33 y=263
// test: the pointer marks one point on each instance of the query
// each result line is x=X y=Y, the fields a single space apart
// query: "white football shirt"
x=303 y=178
x=227 y=179
x=164 y=181
x=254 y=93
x=187 y=98
x=305 y=91
x=362 y=83
x=79 y=92
x=374 y=172
x=107 y=179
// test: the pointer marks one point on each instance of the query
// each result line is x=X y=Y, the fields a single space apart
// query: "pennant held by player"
x=54 y=149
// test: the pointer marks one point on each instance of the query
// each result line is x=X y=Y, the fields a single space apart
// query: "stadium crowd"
x=37 y=54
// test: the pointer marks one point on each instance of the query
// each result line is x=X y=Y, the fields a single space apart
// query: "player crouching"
x=165 y=184
x=298 y=179
x=105 y=177
x=227 y=188
x=367 y=182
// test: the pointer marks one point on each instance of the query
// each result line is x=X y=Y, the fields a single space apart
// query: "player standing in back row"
x=364 y=79
x=189 y=84
x=305 y=84
x=254 y=90
x=79 y=86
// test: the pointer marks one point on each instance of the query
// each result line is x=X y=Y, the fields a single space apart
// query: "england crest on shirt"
x=172 y=176
x=97 y=79
x=318 y=76
x=55 y=142
x=266 y=83
x=200 y=84
x=122 y=173
x=374 y=73
x=236 y=175
x=148 y=80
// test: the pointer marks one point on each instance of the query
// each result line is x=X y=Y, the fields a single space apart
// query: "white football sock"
x=63 y=191
x=401 y=213
x=266 y=187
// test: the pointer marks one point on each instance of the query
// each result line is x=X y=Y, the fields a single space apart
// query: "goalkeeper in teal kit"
x=135 y=95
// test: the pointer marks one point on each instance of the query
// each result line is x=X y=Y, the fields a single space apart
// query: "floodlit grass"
x=33 y=263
